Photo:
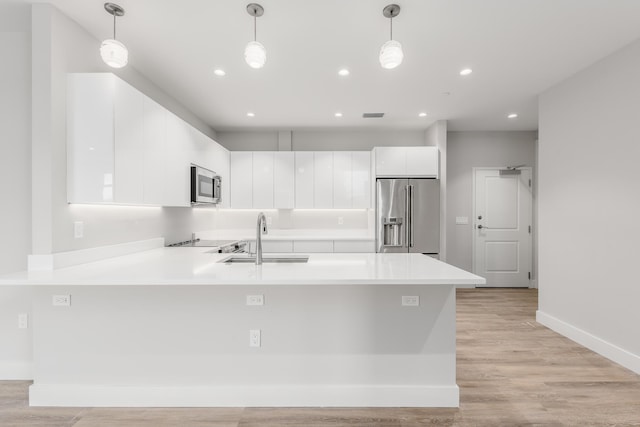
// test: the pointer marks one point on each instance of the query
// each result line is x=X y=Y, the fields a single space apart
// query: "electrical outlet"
x=255 y=299
x=62 y=300
x=340 y=220
x=23 y=320
x=78 y=229
x=411 y=300
x=254 y=338
x=269 y=220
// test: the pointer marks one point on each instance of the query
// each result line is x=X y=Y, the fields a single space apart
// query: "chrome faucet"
x=261 y=228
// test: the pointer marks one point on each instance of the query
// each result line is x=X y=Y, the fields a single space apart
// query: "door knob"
x=480 y=226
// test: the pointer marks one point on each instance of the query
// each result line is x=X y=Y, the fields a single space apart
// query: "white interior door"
x=502 y=227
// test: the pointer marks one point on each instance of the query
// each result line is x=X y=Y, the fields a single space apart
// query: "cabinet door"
x=241 y=185
x=154 y=149
x=220 y=163
x=351 y=246
x=361 y=179
x=128 y=143
x=323 y=179
x=390 y=161
x=313 y=246
x=177 y=176
x=90 y=156
x=262 y=180
x=304 y=179
x=342 y=180
x=284 y=180
x=422 y=161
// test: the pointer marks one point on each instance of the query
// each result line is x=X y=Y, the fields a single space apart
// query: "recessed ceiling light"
x=344 y=72
x=338 y=114
x=512 y=116
x=250 y=114
x=219 y=72
x=466 y=72
x=422 y=115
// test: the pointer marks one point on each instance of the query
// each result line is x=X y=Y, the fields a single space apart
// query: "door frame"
x=534 y=274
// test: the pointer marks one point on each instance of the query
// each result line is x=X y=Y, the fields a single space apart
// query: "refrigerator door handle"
x=411 y=216
x=407 y=213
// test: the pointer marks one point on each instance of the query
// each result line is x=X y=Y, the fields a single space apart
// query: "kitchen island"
x=171 y=327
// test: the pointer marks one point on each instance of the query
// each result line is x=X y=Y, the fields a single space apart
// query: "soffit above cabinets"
x=517 y=49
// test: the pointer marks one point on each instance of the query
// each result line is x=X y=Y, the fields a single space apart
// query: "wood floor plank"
x=511 y=371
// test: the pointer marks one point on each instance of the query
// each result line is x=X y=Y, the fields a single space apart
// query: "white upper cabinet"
x=342 y=180
x=284 y=179
x=129 y=144
x=323 y=179
x=407 y=161
x=422 y=161
x=361 y=179
x=304 y=178
x=90 y=151
x=241 y=179
x=154 y=146
x=177 y=174
x=123 y=147
x=263 y=180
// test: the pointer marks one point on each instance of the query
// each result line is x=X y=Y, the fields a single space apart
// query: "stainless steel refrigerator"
x=408 y=215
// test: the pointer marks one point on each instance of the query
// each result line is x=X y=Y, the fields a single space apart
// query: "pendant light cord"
x=391 y=28
x=255 y=28
x=114 y=26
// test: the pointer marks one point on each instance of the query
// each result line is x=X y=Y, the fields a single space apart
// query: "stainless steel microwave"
x=206 y=186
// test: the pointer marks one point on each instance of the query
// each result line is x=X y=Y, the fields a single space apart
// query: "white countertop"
x=194 y=266
x=289 y=234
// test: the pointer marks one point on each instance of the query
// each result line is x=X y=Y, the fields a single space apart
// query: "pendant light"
x=255 y=54
x=391 y=52
x=114 y=53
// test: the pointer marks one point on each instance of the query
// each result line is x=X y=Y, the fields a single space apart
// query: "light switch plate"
x=23 y=320
x=78 y=229
x=254 y=338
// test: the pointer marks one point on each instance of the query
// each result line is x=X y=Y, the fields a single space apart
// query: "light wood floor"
x=511 y=372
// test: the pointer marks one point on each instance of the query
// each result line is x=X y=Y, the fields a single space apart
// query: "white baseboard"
x=82 y=256
x=610 y=351
x=244 y=396
x=16 y=370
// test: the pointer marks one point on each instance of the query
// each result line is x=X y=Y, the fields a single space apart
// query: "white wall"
x=15 y=184
x=466 y=150
x=436 y=136
x=589 y=207
x=15 y=136
x=60 y=46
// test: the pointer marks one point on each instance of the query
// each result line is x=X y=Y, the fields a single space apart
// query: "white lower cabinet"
x=313 y=246
x=273 y=246
x=351 y=246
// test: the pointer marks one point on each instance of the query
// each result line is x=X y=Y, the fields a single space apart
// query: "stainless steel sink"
x=235 y=259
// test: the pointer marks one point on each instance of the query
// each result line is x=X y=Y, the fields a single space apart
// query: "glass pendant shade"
x=114 y=53
x=255 y=54
x=391 y=54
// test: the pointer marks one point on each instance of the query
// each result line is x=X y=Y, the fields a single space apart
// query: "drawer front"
x=273 y=246
x=313 y=246
x=362 y=246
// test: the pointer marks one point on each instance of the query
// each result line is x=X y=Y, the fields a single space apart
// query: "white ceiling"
x=517 y=49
